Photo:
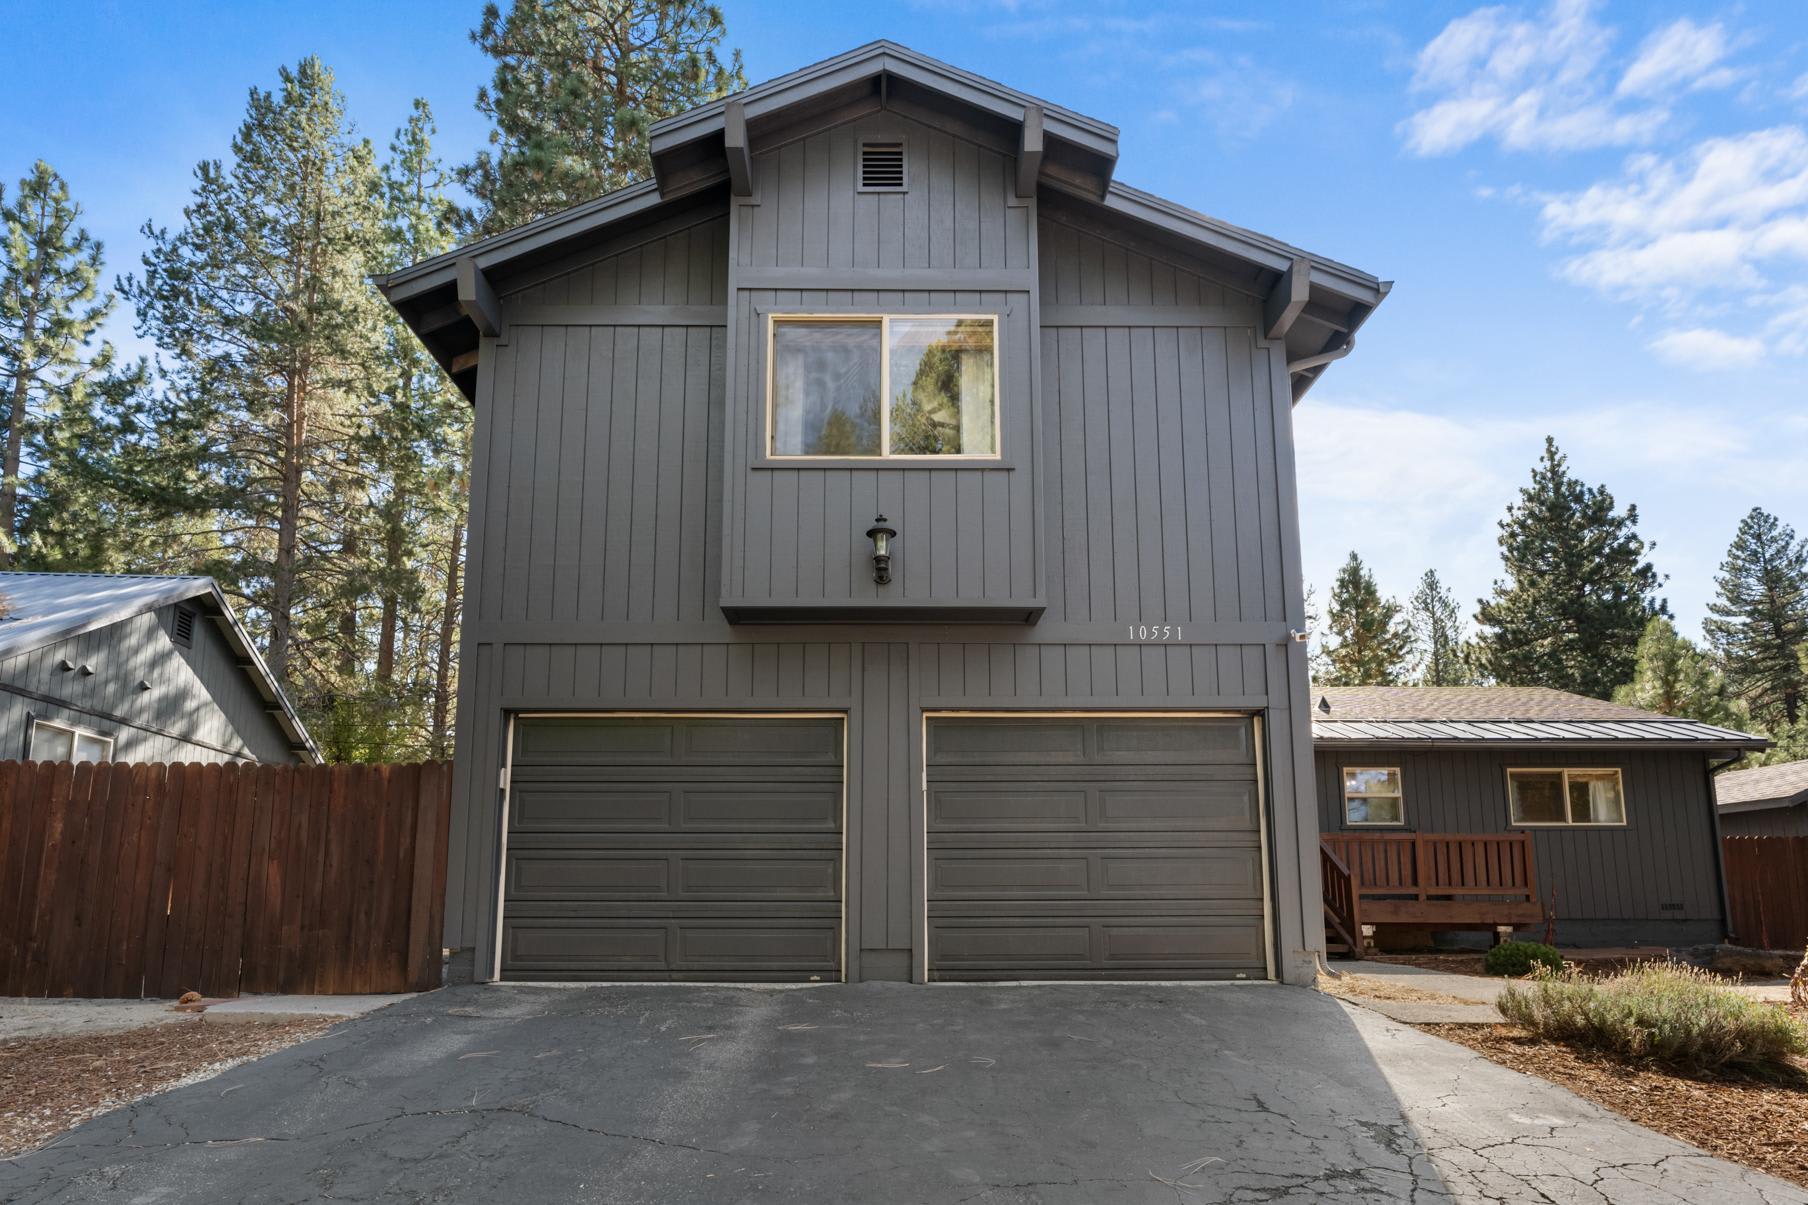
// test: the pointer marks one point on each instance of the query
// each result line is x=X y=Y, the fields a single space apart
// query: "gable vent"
x=882 y=166
x=182 y=629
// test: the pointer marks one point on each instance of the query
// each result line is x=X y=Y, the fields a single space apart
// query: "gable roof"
x=47 y=607
x=1762 y=787
x=1502 y=715
x=1314 y=304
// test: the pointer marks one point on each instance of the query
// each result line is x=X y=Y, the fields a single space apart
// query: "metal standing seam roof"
x=44 y=608
x=1763 y=787
x=1502 y=715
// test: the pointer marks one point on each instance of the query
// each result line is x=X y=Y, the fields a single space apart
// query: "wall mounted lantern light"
x=881 y=534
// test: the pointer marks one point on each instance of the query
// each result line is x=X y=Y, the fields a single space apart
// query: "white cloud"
x=1721 y=225
x=1708 y=350
x=1680 y=55
x=1536 y=81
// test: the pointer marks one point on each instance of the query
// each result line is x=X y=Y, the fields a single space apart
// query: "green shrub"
x=1517 y=958
x=1657 y=1012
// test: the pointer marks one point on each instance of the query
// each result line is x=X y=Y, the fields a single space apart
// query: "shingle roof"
x=1782 y=785
x=1495 y=715
x=43 y=608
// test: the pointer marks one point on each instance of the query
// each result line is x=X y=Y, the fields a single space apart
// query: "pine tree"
x=1758 y=626
x=1673 y=677
x=1373 y=642
x=262 y=303
x=51 y=309
x=577 y=84
x=1578 y=591
x=1446 y=657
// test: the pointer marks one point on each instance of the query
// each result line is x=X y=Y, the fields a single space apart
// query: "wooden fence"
x=132 y=879
x=1767 y=889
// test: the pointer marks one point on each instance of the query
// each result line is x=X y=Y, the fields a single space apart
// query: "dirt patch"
x=1760 y=1123
x=49 y=1084
x=1369 y=987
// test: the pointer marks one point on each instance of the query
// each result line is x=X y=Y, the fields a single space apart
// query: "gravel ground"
x=49 y=1084
x=32 y=1018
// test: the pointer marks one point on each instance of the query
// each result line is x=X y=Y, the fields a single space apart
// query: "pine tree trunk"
x=442 y=662
x=288 y=532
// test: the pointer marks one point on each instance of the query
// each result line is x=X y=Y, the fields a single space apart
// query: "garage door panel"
x=652 y=948
x=1107 y=874
x=674 y=848
x=1089 y=946
x=616 y=806
x=1169 y=805
x=1130 y=740
x=581 y=740
x=555 y=874
x=1094 y=846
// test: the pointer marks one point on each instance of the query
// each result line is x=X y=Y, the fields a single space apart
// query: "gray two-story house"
x=885 y=557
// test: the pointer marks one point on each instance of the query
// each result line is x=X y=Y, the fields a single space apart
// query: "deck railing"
x=1433 y=866
x=1343 y=904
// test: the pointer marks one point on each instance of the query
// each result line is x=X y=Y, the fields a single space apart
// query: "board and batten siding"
x=968 y=533
x=1655 y=880
x=1147 y=478
x=200 y=708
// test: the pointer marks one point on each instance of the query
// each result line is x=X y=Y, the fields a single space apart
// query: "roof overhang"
x=1312 y=304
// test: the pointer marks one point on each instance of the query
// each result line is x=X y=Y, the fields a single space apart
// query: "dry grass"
x=1760 y=1122
x=1370 y=987
x=50 y=1084
x=1683 y=1017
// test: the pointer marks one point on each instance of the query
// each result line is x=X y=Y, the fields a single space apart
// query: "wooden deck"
x=1426 y=880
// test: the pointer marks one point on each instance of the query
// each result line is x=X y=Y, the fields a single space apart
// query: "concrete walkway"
x=1031 y=1095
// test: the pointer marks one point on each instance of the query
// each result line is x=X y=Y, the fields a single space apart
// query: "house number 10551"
x=1155 y=631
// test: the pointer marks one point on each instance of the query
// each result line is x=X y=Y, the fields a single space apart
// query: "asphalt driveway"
x=873 y=1093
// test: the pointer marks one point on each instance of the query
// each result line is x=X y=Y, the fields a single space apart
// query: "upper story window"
x=1566 y=797
x=884 y=386
x=1372 y=795
x=51 y=741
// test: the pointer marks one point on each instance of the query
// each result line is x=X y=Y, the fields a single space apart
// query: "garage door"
x=1094 y=847
x=673 y=848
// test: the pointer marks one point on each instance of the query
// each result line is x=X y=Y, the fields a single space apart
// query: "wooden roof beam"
x=477 y=299
x=1029 y=151
x=1288 y=298
x=734 y=142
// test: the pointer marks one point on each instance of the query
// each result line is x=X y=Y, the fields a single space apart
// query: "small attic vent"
x=182 y=629
x=882 y=166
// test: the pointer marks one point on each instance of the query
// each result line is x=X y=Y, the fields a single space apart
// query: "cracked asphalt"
x=874 y=1093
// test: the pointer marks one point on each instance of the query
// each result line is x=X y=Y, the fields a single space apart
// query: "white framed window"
x=53 y=741
x=1373 y=795
x=882 y=387
x=1572 y=798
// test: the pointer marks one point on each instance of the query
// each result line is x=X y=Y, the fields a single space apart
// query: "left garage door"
x=677 y=847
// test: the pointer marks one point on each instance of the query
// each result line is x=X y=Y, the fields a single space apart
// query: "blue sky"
x=1596 y=214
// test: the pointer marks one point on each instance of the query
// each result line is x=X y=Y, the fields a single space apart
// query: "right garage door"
x=1094 y=847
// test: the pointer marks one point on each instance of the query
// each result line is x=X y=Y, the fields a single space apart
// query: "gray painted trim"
x=1224 y=632
x=1148 y=315
x=617 y=315
x=948 y=280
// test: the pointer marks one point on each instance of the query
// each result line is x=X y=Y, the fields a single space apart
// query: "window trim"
x=1398 y=772
x=1619 y=777
x=768 y=445
x=74 y=730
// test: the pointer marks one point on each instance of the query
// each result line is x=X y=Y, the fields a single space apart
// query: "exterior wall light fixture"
x=881 y=534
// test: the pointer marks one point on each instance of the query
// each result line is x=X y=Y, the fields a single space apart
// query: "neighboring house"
x=1613 y=806
x=884 y=555
x=1767 y=801
x=120 y=667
